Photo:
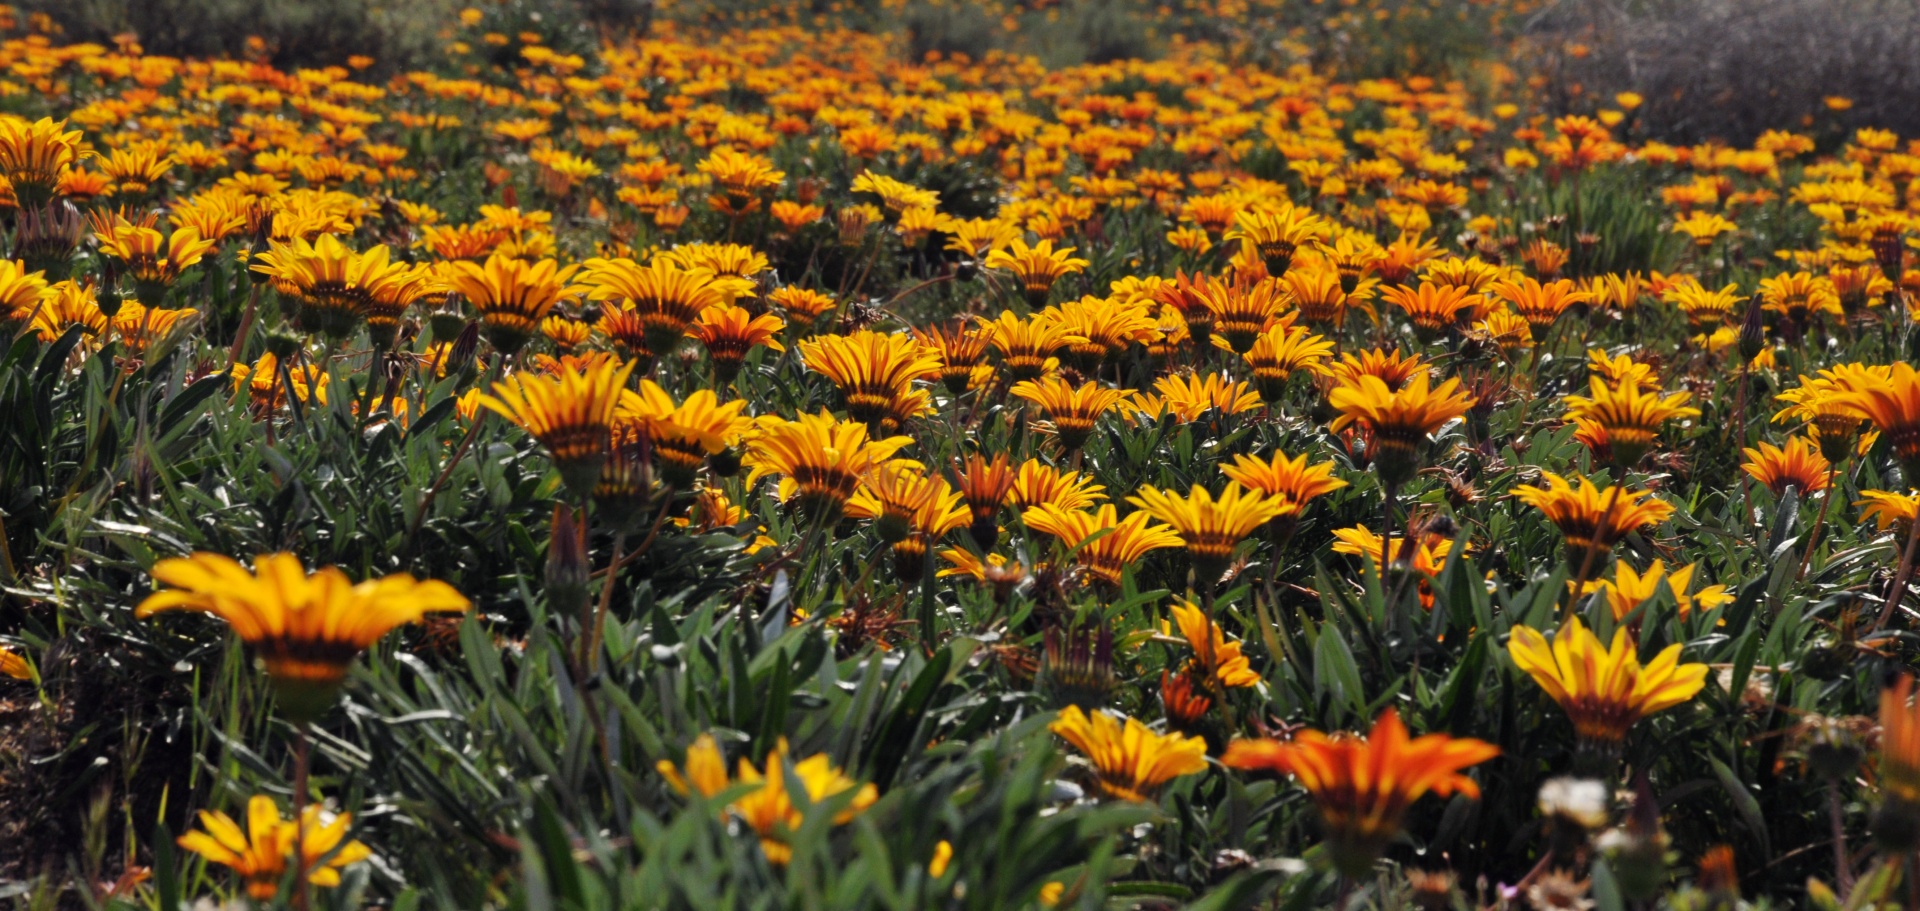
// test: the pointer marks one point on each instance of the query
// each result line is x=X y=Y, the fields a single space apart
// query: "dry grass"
x=1731 y=69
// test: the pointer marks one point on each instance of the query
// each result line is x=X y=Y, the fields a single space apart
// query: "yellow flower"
x=259 y=854
x=1071 y=412
x=1434 y=309
x=1036 y=267
x=1210 y=527
x=768 y=809
x=571 y=413
x=1027 y=346
x=942 y=856
x=1604 y=691
x=13 y=665
x=1108 y=556
x=1290 y=480
x=684 y=435
x=651 y=307
x=820 y=459
x=1397 y=422
x=1188 y=396
x=1592 y=520
x=1628 y=589
x=1629 y=413
x=1278 y=234
x=512 y=295
x=1216 y=659
x=1130 y=761
x=32 y=155
x=1799 y=465
x=306 y=628
x=876 y=373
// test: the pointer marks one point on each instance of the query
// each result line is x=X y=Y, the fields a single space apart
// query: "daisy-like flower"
x=1798 y=465
x=1241 y=311
x=1217 y=661
x=1540 y=304
x=911 y=509
x=33 y=155
x=1129 y=761
x=768 y=809
x=1705 y=308
x=512 y=295
x=1189 y=396
x=1036 y=267
x=1038 y=483
x=305 y=628
x=1071 y=412
x=1434 y=309
x=13 y=665
x=154 y=260
x=741 y=176
x=1825 y=403
x=652 y=307
x=819 y=458
x=1891 y=401
x=1397 y=422
x=961 y=350
x=682 y=435
x=1393 y=368
x=1279 y=353
x=571 y=413
x=1604 y=690
x=1363 y=785
x=21 y=292
x=1027 y=346
x=1277 y=235
x=1288 y=479
x=729 y=332
x=1630 y=414
x=875 y=373
x=259 y=853
x=1210 y=527
x=1592 y=520
x=1889 y=510
x=1107 y=557
x=1628 y=589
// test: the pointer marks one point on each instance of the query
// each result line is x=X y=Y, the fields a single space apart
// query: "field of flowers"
x=755 y=465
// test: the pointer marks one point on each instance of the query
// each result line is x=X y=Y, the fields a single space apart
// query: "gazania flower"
x=682 y=436
x=1705 y=308
x=1703 y=227
x=65 y=305
x=651 y=307
x=1321 y=295
x=741 y=177
x=961 y=350
x=984 y=486
x=1210 y=527
x=1604 y=691
x=1105 y=327
x=267 y=390
x=1630 y=414
x=1392 y=368
x=896 y=195
x=1290 y=480
x=512 y=295
x=32 y=156
x=1628 y=589
x=911 y=509
x=1798 y=297
x=1107 y=557
x=154 y=260
x=20 y=291
x=1425 y=557
x=1279 y=353
x=1071 y=412
x=1896 y=822
x=1130 y=761
x=1363 y=786
x=1891 y=400
x=768 y=809
x=570 y=412
x=1188 y=396
x=820 y=460
x=1889 y=510
x=1799 y=465
x=336 y=286
x=1278 y=234
x=1590 y=519
x=1217 y=661
x=729 y=332
x=1241 y=311
x=1825 y=403
x=1540 y=304
x=139 y=326
x=304 y=627
x=1038 y=483
x=259 y=853
x=1027 y=346
x=803 y=306
x=1397 y=422
x=1183 y=295
x=1036 y=267
x=14 y=666
x=875 y=372
x=1434 y=309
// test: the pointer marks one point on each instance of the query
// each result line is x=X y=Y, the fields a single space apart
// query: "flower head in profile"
x=1604 y=690
x=1798 y=465
x=571 y=413
x=1277 y=235
x=1120 y=544
x=683 y=435
x=1541 y=304
x=1036 y=267
x=259 y=853
x=1363 y=786
x=1071 y=412
x=1592 y=520
x=33 y=155
x=306 y=628
x=1397 y=422
x=1629 y=588
x=1212 y=527
x=820 y=459
x=1629 y=413
x=12 y=664
x=1890 y=399
x=651 y=308
x=768 y=808
x=1027 y=346
x=1217 y=661
x=1434 y=309
x=1129 y=760
x=512 y=295
x=1288 y=479
x=1190 y=396
x=876 y=373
